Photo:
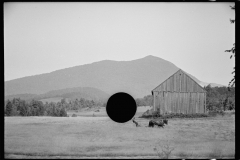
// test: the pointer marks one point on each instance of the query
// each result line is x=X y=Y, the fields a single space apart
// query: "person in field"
x=136 y=123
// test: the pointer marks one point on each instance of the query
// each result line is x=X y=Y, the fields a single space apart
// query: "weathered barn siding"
x=179 y=94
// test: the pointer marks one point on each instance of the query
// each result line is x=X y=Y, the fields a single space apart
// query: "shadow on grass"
x=217 y=153
x=96 y=148
x=63 y=155
x=184 y=155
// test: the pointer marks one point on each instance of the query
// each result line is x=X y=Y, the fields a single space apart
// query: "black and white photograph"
x=113 y=80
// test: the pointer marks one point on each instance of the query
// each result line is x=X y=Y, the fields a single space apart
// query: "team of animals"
x=159 y=123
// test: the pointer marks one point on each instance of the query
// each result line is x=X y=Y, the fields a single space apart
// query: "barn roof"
x=175 y=73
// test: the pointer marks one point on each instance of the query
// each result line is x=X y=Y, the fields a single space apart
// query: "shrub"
x=74 y=115
x=156 y=114
x=175 y=115
x=165 y=152
x=216 y=112
x=216 y=153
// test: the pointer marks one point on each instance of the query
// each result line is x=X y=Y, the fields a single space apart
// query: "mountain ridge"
x=136 y=77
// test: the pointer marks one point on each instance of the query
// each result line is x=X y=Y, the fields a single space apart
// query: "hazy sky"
x=44 y=37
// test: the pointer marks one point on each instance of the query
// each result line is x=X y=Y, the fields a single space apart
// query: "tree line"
x=217 y=98
x=145 y=101
x=220 y=98
x=19 y=107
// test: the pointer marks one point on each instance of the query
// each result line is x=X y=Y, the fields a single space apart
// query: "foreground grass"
x=79 y=137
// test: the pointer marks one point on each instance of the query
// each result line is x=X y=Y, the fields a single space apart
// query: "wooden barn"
x=179 y=94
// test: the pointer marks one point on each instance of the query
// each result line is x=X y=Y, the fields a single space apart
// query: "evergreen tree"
x=62 y=112
x=24 y=109
x=9 y=108
x=15 y=111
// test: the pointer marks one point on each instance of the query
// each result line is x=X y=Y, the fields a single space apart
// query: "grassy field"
x=102 y=112
x=99 y=137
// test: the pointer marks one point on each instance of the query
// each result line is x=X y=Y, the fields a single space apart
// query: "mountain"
x=137 y=77
x=211 y=84
x=68 y=93
x=216 y=85
x=78 y=92
x=21 y=96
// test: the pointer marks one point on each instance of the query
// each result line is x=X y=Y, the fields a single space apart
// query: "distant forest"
x=218 y=98
x=18 y=107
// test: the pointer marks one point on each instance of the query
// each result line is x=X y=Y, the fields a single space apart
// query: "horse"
x=160 y=123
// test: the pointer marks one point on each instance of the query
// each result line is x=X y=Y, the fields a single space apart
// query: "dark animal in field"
x=154 y=122
x=160 y=123
x=151 y=123
x=137 y=125
x=165 y=121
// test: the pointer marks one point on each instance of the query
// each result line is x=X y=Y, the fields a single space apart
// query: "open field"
x=102 y=112
x=99 y=137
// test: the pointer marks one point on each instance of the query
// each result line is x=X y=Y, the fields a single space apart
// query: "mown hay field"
x=101 y=112
x=100 y=137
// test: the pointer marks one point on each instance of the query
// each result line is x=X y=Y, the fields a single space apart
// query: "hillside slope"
x=137 y=77
x=68 y=93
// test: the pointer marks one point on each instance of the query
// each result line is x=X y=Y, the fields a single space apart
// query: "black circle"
x=121 y=107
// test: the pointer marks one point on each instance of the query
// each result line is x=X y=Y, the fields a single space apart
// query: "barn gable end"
x=179 y=82
x=179 y=94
